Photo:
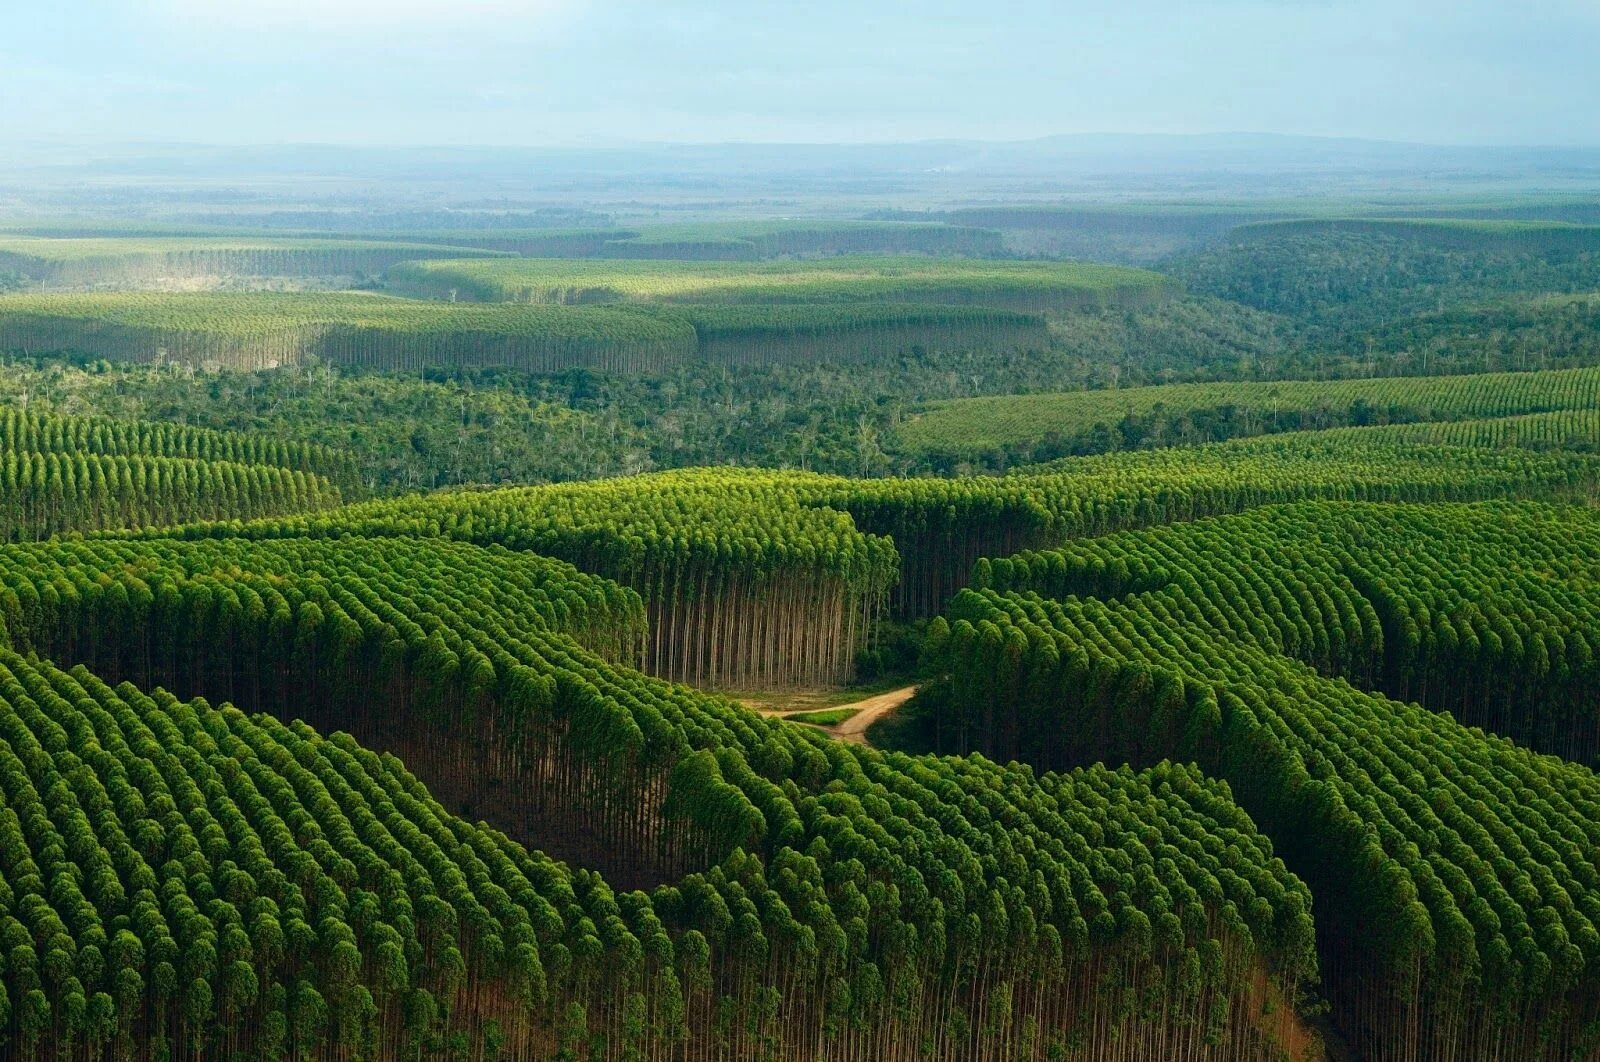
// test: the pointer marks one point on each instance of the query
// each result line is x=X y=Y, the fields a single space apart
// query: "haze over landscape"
x=588 y=72
x=551 y=529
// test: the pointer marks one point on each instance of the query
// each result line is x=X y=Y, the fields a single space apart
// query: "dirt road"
x=869 y=711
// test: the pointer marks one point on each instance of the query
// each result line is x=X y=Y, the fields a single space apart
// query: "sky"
x=596 y=72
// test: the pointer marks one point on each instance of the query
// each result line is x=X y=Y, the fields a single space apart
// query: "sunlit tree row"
x=1455 y=874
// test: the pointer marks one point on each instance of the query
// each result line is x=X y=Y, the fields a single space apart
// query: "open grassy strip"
x=1026 y=286
x=825 y=717
x=529 y=242
x=180 y=878
x=93 y=262
x=1455 y=873
x=1185 y=413
x=817 y=698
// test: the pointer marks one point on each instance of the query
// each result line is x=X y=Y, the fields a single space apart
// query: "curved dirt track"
x=869 y=711
x=854 y=730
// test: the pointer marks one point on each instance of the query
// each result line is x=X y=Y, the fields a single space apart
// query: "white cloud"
x=347 y=14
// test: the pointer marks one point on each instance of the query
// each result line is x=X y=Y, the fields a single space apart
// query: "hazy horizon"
x=1109 y=137
x=585 y=74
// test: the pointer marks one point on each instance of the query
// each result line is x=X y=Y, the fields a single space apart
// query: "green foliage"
x=265 y=330
x=1027 y=286
x=21 y=430
x=747 y=583
x=767 y=334
x=1532 y=332
x=321 y=896
x=392 y=432
x=942 y=527
x=696 y=535
x=714 y=239
x=1571 y=429
x=128 y=261
x=60 y=474
x=1137 y=233
x=1083 y=421
x=259 y=329
x=1455 y=233
x=557 y=855
x=753 y=240
x=1344 y=282
x=513 y=426
x=1480 y=610
x=1220 y=641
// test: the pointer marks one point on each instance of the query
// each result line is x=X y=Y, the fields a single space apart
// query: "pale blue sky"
x=595 y=71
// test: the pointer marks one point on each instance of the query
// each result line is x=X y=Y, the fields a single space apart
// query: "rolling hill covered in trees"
x=267 y=330
x=90 y=262
x=1247 y=644
x=518 y=844
x=1018 y=429
x=1351 y=287
x=126 y=253
x=1029 y=286
x=1255 y=709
